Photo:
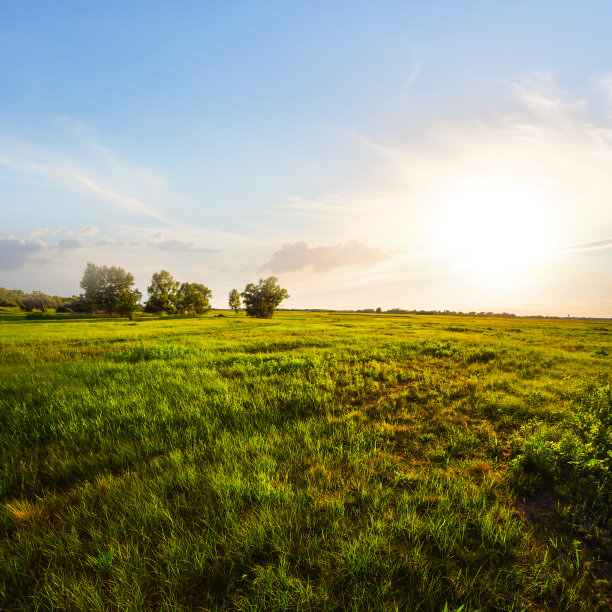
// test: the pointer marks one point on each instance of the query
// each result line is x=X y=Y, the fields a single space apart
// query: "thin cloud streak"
x=185 y=247
x=598 y=245
x=126 y=202
x=30 y=160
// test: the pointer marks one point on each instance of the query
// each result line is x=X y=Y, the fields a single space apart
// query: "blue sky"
x=419 y=155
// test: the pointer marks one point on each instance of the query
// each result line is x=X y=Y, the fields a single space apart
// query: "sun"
x=494 y=228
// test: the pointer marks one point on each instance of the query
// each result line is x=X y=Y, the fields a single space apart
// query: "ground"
x=311 y=461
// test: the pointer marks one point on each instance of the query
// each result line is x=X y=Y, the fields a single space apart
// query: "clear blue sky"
x=421 y=155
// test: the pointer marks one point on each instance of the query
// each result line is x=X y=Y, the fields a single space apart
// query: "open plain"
x=313 y=461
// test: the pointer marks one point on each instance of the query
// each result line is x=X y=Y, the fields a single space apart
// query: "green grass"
x=308 y=462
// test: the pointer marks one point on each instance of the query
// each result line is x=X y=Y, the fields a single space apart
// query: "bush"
x=575 y=453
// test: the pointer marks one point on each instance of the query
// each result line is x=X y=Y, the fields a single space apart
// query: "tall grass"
x=311 y=461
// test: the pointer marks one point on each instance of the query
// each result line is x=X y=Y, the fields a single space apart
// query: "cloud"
x=102 y=242
x=92 y=168
x=38 y=232
x=413 y=74
x=179 y=246
x=298 y=257
x=590 y=246
x=70 y=244
x=89 y=230
x=326 y=204
x=126 y=202
x=604 y=83
x=15 y=252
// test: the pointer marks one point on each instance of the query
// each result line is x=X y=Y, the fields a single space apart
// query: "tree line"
x=110 y=290
x=36 y=300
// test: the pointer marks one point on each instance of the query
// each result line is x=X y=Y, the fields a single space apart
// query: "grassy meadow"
x=309 y=462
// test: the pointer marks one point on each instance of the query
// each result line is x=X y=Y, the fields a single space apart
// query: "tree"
x=261 y=299
x=234 y=300
x=78 y=303
x=36 y=299
x=129 y=302
x=103 y=286
x=162 y=293
x=11 y=297
x=193 y=298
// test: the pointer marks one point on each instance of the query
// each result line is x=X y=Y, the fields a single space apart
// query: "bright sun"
x=494 y=228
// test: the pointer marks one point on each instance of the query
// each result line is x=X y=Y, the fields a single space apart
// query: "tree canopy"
x=104 y=287
x=260 y=300
x=128 y=303
x=193 y=298
x=234 y=300
x=163 y=293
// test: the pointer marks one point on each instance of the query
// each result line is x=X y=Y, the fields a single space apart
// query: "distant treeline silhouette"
x=110 y=290
x=455 y=313
x=166 y=295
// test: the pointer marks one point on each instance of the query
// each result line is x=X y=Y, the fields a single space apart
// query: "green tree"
x=129 y=302
x=162 y=293
x=234 y=300
x=11 y=297
x=193 y=298
x=260 y=300
x=36 y=299
x=104 y=285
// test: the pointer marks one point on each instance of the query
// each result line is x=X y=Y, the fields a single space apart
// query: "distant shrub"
x=480 y=355
x=440 y=350
x=38 y=315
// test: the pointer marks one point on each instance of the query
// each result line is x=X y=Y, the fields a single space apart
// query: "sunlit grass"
x=311 y=461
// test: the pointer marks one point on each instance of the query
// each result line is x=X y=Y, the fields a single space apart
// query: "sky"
x=439 y=155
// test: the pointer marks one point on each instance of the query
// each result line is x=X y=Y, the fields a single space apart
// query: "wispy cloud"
x=89 y=230
x=413 y=73
x=92 y=169
x=603 y=82
x=124 y=201
x=180 y=246
x=326 y=204
x=591 y=246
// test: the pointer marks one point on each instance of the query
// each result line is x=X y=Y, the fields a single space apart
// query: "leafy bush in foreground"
x=576 y=453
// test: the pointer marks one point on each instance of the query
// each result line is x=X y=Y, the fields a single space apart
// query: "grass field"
x=307 y=462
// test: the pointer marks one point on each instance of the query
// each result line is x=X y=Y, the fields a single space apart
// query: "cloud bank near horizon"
x=298 y=257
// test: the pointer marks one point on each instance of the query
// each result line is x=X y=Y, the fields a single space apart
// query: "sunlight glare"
x=494 y=228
